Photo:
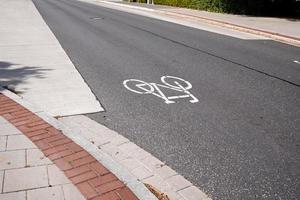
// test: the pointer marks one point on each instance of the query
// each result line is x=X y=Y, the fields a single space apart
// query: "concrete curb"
x=137 y=187
x=275 y=36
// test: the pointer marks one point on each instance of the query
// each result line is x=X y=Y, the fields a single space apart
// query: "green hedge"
x=289 y=8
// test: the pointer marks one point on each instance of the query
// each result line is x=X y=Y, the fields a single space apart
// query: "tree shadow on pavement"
x=13 y=75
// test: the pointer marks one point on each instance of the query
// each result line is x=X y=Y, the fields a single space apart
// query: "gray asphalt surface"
x=240 y=141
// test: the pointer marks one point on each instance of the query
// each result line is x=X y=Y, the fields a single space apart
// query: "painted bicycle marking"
x=297 y=62
x=169 y=82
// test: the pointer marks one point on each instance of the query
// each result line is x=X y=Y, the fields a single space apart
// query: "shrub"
x=289 y=8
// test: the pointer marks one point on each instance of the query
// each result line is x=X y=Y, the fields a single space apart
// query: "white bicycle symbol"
x=170 y=82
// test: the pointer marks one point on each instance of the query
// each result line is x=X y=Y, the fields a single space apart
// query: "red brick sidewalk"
x=93 y=180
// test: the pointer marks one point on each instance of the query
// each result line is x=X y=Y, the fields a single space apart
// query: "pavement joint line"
x=2 y=181
x=32 y=189
x=26 y=161
x=129 y=180
x=25 y=45
x=25 y=190
x=6 y=143
x=23 y=167
x=183 y=188
x=273 y=35
x=48 y=178
x=10 y=150
x=63 y=192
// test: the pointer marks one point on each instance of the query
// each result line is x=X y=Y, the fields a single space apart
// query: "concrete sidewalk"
x=33 y=63
x=280 y=29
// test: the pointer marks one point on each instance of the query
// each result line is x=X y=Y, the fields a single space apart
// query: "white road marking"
x=170 y=82
x=297 y=62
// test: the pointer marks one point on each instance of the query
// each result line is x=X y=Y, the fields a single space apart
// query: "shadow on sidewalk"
x=12 y=74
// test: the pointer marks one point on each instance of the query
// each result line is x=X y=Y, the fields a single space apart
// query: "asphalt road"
x=240 y=141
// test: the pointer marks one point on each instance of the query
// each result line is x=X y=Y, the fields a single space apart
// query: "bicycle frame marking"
x=154 y=89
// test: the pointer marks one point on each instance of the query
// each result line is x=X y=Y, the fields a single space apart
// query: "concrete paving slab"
x=25 y=178
x=72 y=193
x=131 y=164
x=34 y=55
x=33 y=63
x=8 y=129
x=12 y=159
x=192 y=193
x=13 y=196
x=48 y=193
x=165 y=172
x=158 y=183
x=141 y=173
x=3 y=140
x=56 y=176
x=1 y=180
x=15 y=142
x=26 y=38
x=35 y=158
x=178 y=182
x=3 y=121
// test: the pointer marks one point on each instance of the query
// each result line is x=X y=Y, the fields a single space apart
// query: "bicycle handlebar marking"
x=176 y=84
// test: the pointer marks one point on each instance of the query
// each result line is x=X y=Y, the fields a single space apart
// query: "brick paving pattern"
x=91 y=178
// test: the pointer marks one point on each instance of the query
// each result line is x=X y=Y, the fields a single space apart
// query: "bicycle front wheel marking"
x=139 y=87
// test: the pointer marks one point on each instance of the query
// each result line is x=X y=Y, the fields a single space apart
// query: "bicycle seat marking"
x=168 y=82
